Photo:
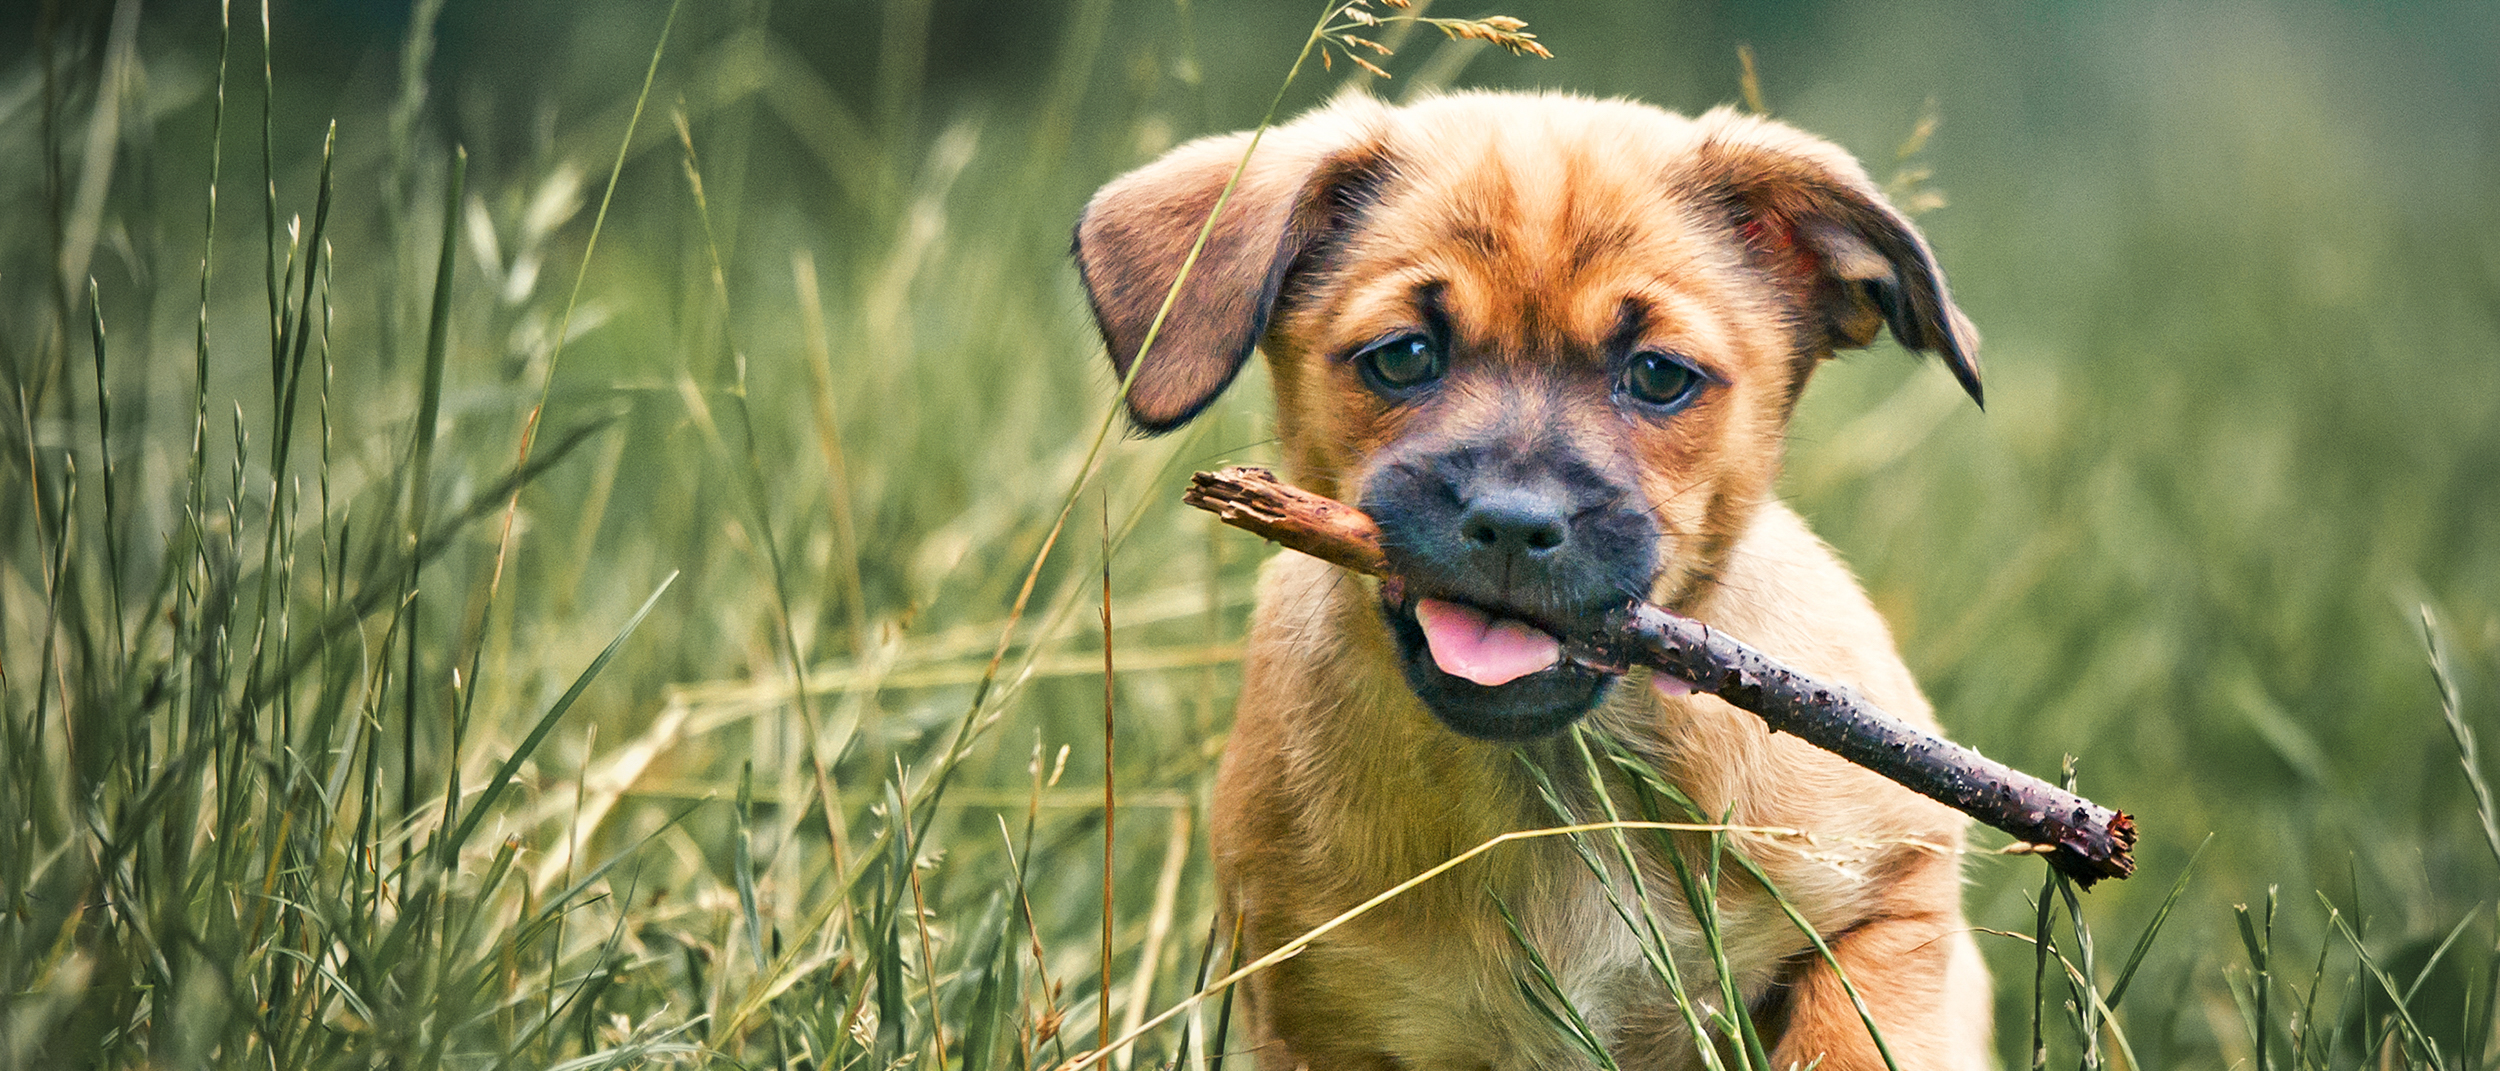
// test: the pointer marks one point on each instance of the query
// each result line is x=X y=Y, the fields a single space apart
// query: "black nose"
x=1513 y=520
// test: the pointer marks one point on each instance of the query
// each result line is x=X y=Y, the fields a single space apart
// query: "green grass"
x=573 y=602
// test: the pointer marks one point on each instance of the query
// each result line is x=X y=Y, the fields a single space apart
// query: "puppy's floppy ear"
x=1137 y=232
x=1809 y=214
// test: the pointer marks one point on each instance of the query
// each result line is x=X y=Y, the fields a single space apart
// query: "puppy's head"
x=1550 y=344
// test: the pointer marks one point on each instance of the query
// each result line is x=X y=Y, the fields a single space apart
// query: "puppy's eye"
x=1402 y=363
x=1662 y=381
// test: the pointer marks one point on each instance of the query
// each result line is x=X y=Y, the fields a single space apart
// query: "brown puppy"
x=1551 y=344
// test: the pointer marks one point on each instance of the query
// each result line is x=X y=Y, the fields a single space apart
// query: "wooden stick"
x=2081 y=838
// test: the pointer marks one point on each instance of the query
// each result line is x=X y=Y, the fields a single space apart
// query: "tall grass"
x=511 y=669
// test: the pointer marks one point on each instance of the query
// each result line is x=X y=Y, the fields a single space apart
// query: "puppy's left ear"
x=1138 y=232
x=1809 y=214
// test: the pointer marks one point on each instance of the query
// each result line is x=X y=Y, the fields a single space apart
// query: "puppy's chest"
x=1443 y=980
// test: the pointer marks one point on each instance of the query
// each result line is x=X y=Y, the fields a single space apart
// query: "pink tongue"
x=1470 y=644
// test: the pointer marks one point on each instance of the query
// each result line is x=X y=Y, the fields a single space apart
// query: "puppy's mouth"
x=1477 y=647
x=1488 y=672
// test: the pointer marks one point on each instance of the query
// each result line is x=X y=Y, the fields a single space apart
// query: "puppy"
x=1551 y=345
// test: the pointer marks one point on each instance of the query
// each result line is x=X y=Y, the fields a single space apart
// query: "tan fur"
x=1755 y=251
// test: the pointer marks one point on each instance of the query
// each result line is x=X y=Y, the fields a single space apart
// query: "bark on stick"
x=2081 y=838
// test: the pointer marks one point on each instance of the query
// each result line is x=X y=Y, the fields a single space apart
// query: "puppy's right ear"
x=1138 y=231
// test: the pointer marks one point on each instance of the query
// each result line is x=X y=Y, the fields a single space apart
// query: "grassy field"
x=519 y=525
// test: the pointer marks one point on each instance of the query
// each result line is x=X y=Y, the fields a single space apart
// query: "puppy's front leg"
x=1923 y=981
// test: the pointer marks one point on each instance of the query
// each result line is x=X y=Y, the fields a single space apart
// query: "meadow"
x=543 y=535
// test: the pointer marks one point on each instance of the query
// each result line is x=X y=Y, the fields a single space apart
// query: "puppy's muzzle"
x=1502 y=547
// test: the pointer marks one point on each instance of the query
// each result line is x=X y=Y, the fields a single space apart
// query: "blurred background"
x=2237 y=266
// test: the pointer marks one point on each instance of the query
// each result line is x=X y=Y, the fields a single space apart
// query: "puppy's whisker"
x=1673 y=493
x=1230 y=452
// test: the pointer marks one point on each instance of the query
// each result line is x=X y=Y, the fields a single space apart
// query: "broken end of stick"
x=2122 y=834
x=1253 y=499
x=2088 y=863
x=1211 y=490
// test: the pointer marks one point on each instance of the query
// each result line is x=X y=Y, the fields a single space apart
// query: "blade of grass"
x=269 y=200
x=563 y=900
x=291 y=322
x=2044 y=936
x=838 y=492
x=2461 y=733
x=756 y=497
x=1545 y=994
x=1110 y=796
x=2412 y=1030
x=112 y=512
x=2074 y=977
x=886 y=952
x=502 y=780
x=191 y=550
x=581 y=273
x=1224 y=1011
x=336 y=699
x=572 y=842
x=2144 y=942
x=1823 y=949
x=1700 y=887
x=1159 y=920
x=2087 y=1006
x=421 y=483
x=2309 y=1011
x=2479 y=1030
x=2258 y=937
x=56 y=559
x=928 y=953
x=300 y=314
x=1189 y=1049
x=480 y=900
x=1033 y=934
x=1646 y=776
x=421 y=494
x=742 y=863
x=2437 y=954
x=555 y=907
x=564 y=329
x=989 y=1021
x=1656 y=949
